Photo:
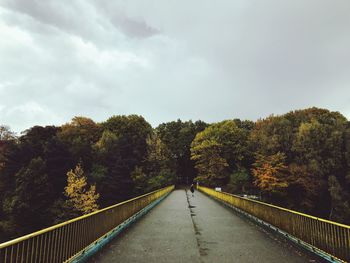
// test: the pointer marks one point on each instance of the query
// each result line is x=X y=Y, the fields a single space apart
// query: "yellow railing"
x=330 y=237
x=63 y=242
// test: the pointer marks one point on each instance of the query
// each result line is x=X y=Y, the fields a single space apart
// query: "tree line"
x=52 y=174
x=299 y=160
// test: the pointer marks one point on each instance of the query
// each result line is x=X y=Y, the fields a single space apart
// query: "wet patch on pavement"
x=202 y=248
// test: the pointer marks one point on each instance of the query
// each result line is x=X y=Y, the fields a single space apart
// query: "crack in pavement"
x=202 y=250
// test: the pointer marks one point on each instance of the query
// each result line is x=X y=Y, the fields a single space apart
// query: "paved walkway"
x=190 y=229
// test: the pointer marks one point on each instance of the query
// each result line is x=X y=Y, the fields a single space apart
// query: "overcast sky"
x=197 y=59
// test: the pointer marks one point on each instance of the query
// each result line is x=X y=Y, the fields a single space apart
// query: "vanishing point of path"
x=190 y=229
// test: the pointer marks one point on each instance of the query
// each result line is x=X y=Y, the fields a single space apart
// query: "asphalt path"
x=183 y=228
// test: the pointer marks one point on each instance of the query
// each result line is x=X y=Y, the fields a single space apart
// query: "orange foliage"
x=270 y=172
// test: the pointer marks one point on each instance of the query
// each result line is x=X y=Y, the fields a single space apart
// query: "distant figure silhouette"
x=192 y=190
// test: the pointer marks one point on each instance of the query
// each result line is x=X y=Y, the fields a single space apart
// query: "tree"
x=122 y=147
x=157 y=170
x=340 y=209
x=270 y=173
x=212 y=168
x=319 y=145
x=271 y=135
x=315 y=144
x=303 y=188
x=80 y=197
x=7 y=144
x=115 y=182
x=43 y=142
x=219 y=150
x=158 y=164
x=79 y=136
x=132 y=131
x=6 y=134
x=177 y=137
x=28 y=206
x=35 y=156
x=140 y=180
x=240 y=182
x=299 y=160
x=158 y=155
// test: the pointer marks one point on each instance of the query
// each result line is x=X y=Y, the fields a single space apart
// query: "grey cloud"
x=133 y=27
x=171 y=59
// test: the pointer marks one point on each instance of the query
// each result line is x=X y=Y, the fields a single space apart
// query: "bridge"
x=171 y=225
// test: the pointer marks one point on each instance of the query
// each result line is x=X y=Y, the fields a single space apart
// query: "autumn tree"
x=270 y=173
x=80 y=197
x=315 y=143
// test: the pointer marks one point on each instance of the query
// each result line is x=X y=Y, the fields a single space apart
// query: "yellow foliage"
x=82 y=198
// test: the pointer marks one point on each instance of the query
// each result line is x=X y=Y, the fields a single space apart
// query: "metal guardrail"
x=330 y=237
x=62 y=242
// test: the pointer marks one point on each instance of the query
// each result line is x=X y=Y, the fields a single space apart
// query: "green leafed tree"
x=122 y=147
x=177 y=137
x=340 y=204
x=218 y=151
x=28 y=206
x=157 y=170
x=211 y=166
x=240 y=182
x=79 y=137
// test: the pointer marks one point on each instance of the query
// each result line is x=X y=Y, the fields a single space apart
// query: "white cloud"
x=29 y=112
x=90 y=54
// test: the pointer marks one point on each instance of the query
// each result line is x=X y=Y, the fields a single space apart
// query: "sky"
x=164 y=60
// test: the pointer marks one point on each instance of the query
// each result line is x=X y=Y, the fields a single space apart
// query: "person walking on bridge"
x=192 y=189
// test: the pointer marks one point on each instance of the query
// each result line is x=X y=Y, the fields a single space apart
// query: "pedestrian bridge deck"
x=183 y=228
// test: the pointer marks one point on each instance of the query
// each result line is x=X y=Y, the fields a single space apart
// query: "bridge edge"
x=95 y=247
x=299 y=243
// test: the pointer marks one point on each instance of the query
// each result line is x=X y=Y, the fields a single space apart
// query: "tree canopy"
x=299 y=160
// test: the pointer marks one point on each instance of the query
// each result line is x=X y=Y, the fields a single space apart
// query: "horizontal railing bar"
x=287 y=210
